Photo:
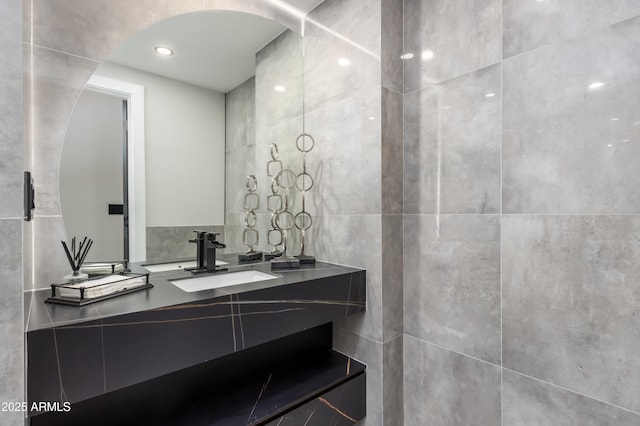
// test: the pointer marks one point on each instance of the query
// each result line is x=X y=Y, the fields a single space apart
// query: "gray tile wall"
x=453 y=93
x=11 y=168
x=354 y=112
x=344 y=110
x=240 y=117
x=251 y=131
x=522 y=216
x=279 y=121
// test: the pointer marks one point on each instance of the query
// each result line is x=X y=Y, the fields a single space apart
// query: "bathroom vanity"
x=248 y=353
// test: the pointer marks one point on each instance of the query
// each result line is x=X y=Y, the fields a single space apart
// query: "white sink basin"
x=219 y=280
x=162 y=267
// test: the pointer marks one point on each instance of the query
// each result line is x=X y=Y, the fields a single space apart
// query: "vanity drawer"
x=343 y=405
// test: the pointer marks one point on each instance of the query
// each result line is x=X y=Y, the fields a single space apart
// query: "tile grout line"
x=572 y=391
x=62 y=52
x=454 y=351
x=440 y=83
x=571 y=38
x=501 y=213
x=522 y=374
x=402 y=196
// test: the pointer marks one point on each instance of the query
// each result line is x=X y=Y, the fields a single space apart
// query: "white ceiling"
x=213 y=49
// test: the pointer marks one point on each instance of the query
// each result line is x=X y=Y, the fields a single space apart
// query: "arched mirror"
x=169 y=126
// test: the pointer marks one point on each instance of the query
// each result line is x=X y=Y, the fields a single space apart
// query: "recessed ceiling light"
x=427 y=55
x=163 y=51
x=596 y=85
x=490 y=95
x=344 y=62
x=626 y=140
x=614 y=119
x=372 y=118
x=279 y=88
x=406 y=56
x=610 y=145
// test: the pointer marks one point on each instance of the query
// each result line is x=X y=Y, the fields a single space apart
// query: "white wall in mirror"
x=184 y=147
x=184 y=151
x=91 y=173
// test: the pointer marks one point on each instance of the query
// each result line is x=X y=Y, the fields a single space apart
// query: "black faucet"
x=200 y=253
x=206 y=245
x=210 y=248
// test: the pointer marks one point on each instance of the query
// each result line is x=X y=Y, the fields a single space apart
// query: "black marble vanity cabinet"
x=247 y=354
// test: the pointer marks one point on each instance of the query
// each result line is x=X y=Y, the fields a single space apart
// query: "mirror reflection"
x=167 y=130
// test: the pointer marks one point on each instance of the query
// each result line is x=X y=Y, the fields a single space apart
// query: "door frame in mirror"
x=134 y=93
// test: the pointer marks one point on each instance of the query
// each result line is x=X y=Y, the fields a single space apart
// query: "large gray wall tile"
x=392 y=276
x=280 y=63
x=27 y=253
x=448 y=389
x=26 y=20
x=353 y=21
x=532 y=24
x=279 y=120
x=391 y=45
x=346 y=160
x=50 y=264
x=11 y=316
x=568 y=148
x=531 y=402
x=337 y=29
x=570 y=303
x=11 y=158
x=452 y=282
x=452 y=145
x=239 y=163
x=393 y=381
x=355 y=241
x=392 y=152
x=11 y=250
x=240 y=115
x=456 y=36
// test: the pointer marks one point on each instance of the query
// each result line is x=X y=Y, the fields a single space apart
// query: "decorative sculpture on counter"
x=76 y=258
x=304 y=183
x=284 y=220
x=274 y=205
x=250 y=236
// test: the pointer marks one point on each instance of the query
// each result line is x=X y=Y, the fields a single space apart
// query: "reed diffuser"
x=76 y=257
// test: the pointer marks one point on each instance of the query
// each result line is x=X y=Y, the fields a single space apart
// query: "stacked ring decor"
x=275 y=204
x=304 y=184
x=284 y=183
x=284 y=220
x=250 y=236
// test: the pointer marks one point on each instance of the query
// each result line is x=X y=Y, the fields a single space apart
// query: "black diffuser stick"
x=69 y=257
x=76 y=257
x=84 y=254
x=77 y=254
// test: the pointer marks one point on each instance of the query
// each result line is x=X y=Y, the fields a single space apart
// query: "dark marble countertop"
x=76 y=353
x=41 y=315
